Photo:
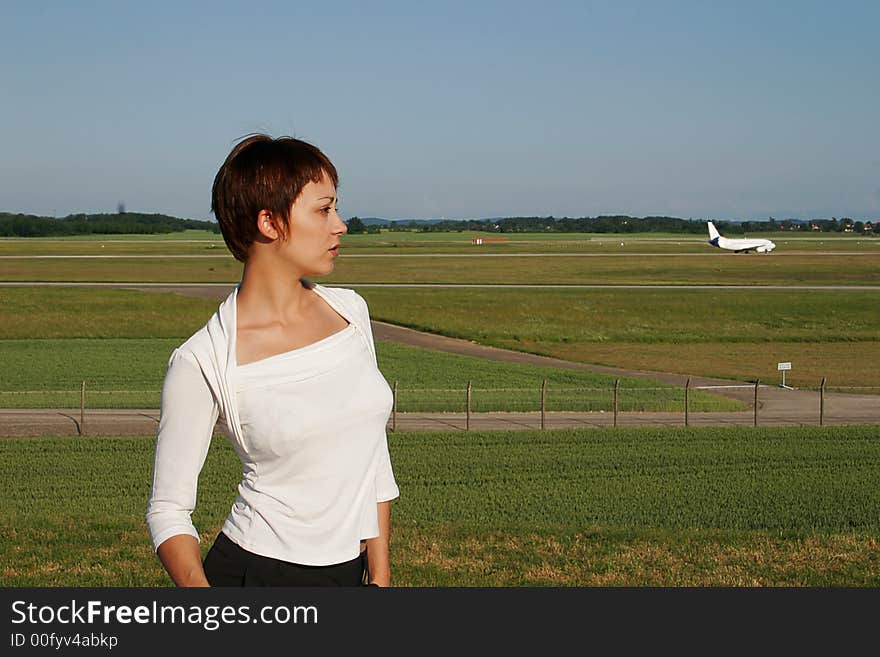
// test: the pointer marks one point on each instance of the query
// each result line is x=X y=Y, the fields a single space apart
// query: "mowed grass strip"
x=119 y=342
x=128 y=373
x=113 y=248
x=791 y=506
x=197 y=242
x=846 y=366
x=436 y=381
x=59 y=312
x=122 y=270
x=118 y=372
x=711 y=268
x=736 y=334
x=415 y=242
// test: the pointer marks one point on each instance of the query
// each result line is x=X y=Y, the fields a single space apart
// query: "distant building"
x=477 y=241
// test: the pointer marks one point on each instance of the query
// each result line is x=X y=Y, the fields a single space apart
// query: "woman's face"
x=314 y=231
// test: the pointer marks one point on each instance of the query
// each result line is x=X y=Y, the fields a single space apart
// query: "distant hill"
x=124 y=223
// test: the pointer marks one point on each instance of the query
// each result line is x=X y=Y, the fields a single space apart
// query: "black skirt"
x=228 y=564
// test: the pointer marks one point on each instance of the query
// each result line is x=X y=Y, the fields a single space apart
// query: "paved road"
x=100 y=422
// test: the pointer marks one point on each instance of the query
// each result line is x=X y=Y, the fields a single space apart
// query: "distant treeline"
x=27 y=225
x=626 y=224
x=123 y=223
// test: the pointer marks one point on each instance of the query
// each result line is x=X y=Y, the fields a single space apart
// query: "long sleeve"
x=386 y=486
x=186 y=424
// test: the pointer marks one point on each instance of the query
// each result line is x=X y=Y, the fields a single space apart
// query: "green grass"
x=734 y=334
x=197 y=235
x=436 y=381
x=619 y=259
x=648 y=316
x=128 y=373
x=563 y=316
x=793 y=506
x=737 y=334
x=119 y=341
x=201 y=242
x=801 y=480
x=707 y=268
x=58 y=312
x=118 y=373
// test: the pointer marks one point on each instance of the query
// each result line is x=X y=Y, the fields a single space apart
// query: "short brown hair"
x=262 y=173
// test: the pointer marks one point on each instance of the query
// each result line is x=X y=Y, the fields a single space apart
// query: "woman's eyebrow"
x=329 y=198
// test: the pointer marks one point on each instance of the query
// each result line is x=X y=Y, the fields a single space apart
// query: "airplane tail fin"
x=713 y=232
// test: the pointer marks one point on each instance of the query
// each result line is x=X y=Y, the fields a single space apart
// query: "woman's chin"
x=321 y=271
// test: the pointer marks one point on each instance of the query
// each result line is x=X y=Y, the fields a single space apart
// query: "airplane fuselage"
x=738 y=245
x=743 y=245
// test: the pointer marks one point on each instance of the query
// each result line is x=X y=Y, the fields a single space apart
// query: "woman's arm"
x=377 y=549
x=186 y=423
x=378 y=561
x=182 y=559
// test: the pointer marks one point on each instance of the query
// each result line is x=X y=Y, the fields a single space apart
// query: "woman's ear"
x=268 y=226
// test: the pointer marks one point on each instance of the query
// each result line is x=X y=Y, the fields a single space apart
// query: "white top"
x=309 y=431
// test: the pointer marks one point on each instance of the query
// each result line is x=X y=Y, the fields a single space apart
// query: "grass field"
x=128 y=373
x=198 y=256
x=205 y=243
x=735 y=334
x=641 y=507
x=188 y=235
x=738 y=334
x=119 y=341
x=586 y=269
x=621 y=507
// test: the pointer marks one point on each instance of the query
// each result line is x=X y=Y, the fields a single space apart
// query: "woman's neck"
x=264 y=295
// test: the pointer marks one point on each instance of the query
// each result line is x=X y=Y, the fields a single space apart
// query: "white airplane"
x=738 y=245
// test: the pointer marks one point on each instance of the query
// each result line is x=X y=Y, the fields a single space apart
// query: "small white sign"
x=783 y=366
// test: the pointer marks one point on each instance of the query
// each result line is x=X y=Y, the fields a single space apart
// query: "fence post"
x=82 y=410
x=757 y=381
x=687 y=389
x=616 y=391
x=467 y=422
x=394 y=409
x=543 y=401
x=822 y=402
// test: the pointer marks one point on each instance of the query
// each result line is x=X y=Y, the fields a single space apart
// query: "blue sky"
x=724 y=110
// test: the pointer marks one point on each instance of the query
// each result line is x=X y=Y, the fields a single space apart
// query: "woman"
x=289 y=367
